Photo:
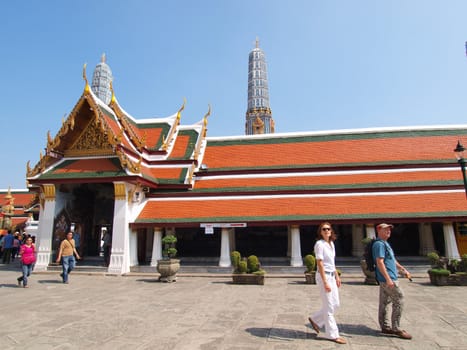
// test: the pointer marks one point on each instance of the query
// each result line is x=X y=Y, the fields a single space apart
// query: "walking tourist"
x=67 y=252
x=28 y=258
x=328 y=281
x=7 y=247
x=389 y=289
x=16 y=245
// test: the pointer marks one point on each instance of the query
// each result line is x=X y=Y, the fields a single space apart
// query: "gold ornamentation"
x=203 y=134
x=48 y=192
x=87 y=89
x=92 y=141
x=128 y=164
x=120 y=191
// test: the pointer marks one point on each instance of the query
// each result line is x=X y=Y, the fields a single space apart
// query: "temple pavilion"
x=264 y=194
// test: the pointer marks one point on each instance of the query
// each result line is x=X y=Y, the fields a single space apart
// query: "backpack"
x=368 y=256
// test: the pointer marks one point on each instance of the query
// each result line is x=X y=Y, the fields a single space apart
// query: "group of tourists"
x=328 y=281
x=23 y=245
x=10 y=245
x=387 y=269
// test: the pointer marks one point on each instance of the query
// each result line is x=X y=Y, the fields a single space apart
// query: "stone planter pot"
x=438 y=279
x=168 y=269
x=247 y=278
x=462 y=279
x=310 y=277
x=370 y=276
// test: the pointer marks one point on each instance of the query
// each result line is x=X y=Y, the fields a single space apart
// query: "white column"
x=296 y=253
x=450 y=241
x=425 y=233
x=134 y=248
x=45 y=229
x=370 y=231
x=156 y=246
x=120 y=255
x=224 y=260
x=357 y=237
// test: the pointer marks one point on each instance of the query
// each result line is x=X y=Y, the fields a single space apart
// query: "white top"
x=327 y=253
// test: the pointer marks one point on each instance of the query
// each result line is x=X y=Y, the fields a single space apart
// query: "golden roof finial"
x=28 y=168
x=49 y=139
x=103 y=58
x=112 y=100
x=8 y=195
x=205 y=118
x=86 y=87
x=181 y=108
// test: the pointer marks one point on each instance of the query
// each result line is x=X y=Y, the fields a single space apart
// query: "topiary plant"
x=169 y=250
x=434 y=259
x=242 y=267
x=253 y=264
x=235 y=258
x=310 y=263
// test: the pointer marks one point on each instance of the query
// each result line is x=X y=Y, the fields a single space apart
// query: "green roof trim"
x=83 y=175
x=165 y=127
x=335 y=137
x=375 y=185
x=193 y=138
x=303 y=217
x=336 y=165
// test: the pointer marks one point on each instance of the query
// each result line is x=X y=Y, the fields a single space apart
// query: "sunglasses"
x=325 y=229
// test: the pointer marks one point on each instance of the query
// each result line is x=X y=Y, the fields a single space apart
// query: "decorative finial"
x=257 y=42
x=179 y=113
x=86 y=87
x=103 y=58
x=112 y=99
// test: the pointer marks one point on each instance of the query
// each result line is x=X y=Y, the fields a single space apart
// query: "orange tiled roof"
x=381 y=174
x=330 y=179
x=333 y=150
x=350 y=206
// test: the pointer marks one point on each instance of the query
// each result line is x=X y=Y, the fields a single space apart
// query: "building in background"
x=258 y=115
x=139 y=179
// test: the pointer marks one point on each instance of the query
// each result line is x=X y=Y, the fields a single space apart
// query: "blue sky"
x=331 y=64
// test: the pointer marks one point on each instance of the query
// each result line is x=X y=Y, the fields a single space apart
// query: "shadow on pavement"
x=358 y=329
x=9 y=285
x=280 y=333
x=57 y=281
x=149 y=280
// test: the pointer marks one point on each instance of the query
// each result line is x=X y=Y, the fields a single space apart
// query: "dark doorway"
x=267 y=241
x=92 y=209
x=405 y=239
x=194 y=242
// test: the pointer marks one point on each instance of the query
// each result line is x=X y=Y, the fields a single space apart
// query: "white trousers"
x=325 y=316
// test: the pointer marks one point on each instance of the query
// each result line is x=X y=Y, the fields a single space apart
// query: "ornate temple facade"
x=258 y=115
x=139 y=179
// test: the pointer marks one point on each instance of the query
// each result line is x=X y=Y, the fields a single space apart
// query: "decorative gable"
x=91 y=142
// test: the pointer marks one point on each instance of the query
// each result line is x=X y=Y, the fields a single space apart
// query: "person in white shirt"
x=328 y=281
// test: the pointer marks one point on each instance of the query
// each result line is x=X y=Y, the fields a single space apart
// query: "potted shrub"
x=168 y=266
x=246 y=271
x=439 y=277
x=310 y=272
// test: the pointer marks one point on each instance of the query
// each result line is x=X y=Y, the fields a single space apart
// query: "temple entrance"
x=85 y=209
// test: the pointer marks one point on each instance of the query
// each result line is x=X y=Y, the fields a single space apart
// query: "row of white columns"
x=359 y=231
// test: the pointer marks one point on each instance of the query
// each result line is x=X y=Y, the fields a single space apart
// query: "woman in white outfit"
x=328 y=282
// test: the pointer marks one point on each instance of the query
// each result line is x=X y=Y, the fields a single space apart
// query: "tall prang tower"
x=258 y=115
x=101 y=80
